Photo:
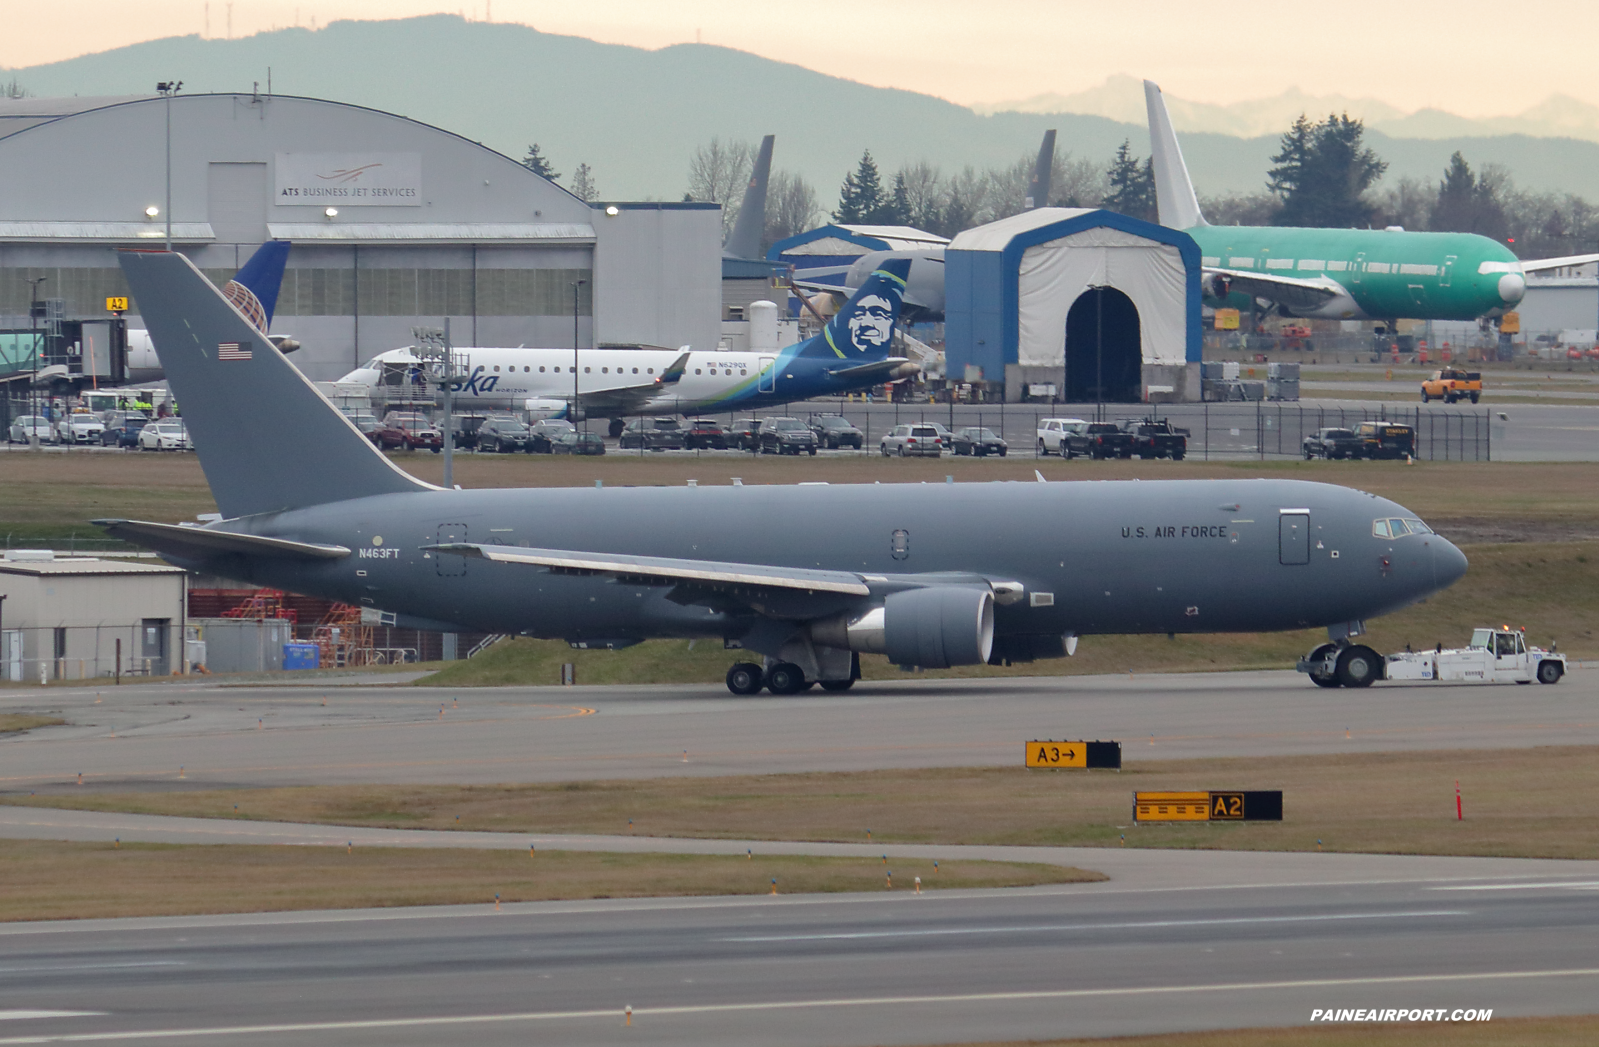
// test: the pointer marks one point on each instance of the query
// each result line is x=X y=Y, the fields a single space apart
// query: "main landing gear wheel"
x=1319 y=654
x=745 y=678
x=785 y=678
x=1359 y=666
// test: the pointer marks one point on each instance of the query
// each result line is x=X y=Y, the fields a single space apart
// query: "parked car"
x=1385 y=440
x=911 y=439
x=1332 y=443
x=364 y=421
x=652 y=434
x=786 y=436
x=169 y=434
x=464 y=430
x=834 y=431
x=544 y=432
x=408 y=430
x=81 y=427
x=744 y=434
x=31 y=427
x=122 y=428
x=1098 y=440
x=1052 y=432
x=574 y=442
x=978 y=440
x=503 y=435
x=1158 y=438
x=704 y=434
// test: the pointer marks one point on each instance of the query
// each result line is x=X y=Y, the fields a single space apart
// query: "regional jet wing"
x=1294 y=292
x=661 y=570
x=204 y=543
x=630 y=399
x=1539 y=265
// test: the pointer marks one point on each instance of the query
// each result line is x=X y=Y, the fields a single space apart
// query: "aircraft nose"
x=1448 y=562
x=1511 y=287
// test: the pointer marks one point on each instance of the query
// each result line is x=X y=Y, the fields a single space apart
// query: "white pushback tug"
x=1494 y=656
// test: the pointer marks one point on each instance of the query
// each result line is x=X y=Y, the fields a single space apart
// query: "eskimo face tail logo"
x=245 y=301
x=871 y=325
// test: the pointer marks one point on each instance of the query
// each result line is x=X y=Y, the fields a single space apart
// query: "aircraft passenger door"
x=1446 y=271
x=766 y=381
x=445 y=564
x=1357 y=268
x=1293 y=536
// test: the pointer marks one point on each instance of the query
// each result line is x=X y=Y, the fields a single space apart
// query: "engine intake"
x=934 y=628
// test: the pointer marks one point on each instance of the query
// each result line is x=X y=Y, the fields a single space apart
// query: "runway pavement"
x=894 y=968
x=141 y=736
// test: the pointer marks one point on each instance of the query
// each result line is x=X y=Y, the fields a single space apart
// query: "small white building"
x=68 y=618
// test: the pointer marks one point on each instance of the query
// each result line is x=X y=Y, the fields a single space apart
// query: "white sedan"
x=164 y=436
x=31 y=427
x=82 y=429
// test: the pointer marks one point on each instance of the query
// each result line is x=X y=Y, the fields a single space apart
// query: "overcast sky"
x=1472 y=57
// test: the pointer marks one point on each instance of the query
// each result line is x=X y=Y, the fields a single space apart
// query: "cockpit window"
x=1398 y=528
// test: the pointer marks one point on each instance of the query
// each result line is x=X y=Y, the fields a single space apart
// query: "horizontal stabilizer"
x=668 y=571
x=204 y=543
x=885 y=367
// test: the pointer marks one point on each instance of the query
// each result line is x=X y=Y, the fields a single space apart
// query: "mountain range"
x=635 y=116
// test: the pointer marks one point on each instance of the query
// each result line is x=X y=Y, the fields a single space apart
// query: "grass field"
x=51 y=880
x=13 y=723
x=1516 y=803
x=1577 y=1031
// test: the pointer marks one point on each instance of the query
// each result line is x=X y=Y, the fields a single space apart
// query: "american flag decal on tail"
x=233 y=351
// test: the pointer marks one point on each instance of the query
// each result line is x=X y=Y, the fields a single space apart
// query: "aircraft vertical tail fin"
x=267 y=439
x=1174 y=190
x=863 y=330
x=1038 y=188
x=254 y=288
x=745 y=240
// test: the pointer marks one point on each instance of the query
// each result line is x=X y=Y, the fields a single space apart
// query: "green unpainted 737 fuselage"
x=1383 y=273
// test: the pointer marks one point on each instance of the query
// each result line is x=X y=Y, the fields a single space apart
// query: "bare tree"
x=791 y=208
x=924 y=195
x=1241 y=209
x=718 y=173
x=1408 y=202
x=1075 y=182
x=965 y=202
x=583 y=183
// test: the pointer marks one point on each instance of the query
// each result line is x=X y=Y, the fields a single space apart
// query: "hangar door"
x=1053 y=278
x=1103 y=361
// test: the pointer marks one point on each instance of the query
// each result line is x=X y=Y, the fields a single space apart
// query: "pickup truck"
x=1098 y=440
x=1331 y=443
x=1493 y=656
x=1450 y=385
x=1384 y=440
x=1158 y=438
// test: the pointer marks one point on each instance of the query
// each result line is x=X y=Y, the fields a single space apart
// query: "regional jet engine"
x=934 y=628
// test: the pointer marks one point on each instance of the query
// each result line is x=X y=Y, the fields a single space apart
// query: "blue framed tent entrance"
x=1103 y=359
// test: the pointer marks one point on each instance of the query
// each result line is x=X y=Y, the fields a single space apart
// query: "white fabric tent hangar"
x=1099 y=305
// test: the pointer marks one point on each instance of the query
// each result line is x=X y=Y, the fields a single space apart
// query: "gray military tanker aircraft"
x=807 y=576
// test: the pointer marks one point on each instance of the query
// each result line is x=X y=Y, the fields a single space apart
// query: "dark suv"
x=704 y=433
x=786 y=436
x=1098 y=440
x=545 y=432
x=652 y=434
x=745 y=434
x=835 y=431
x=502 y=434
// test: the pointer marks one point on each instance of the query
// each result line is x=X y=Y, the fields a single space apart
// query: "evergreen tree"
x=1132 y=185
x=860 y=199
x=534 y=161
x=1322 y=173
x=583 y=183
x=898 y=211
x=1469 y=204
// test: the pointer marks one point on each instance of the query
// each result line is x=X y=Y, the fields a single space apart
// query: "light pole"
x=33 y=383
x=434 y=344
x=168 y=88
x=577 y=288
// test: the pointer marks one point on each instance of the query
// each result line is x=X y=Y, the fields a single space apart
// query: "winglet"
x=1174 y=190
x=675 y=372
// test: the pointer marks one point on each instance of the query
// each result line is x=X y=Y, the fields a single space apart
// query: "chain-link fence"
x=45 y=654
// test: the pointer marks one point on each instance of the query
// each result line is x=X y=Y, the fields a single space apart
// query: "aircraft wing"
x=1294 y=292
x=631 y=398
x=1538 y=265
x=204 y=543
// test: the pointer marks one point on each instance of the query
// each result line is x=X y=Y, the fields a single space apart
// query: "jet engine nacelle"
x=934 y=628
x=544 y=407
x=1215 y=285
